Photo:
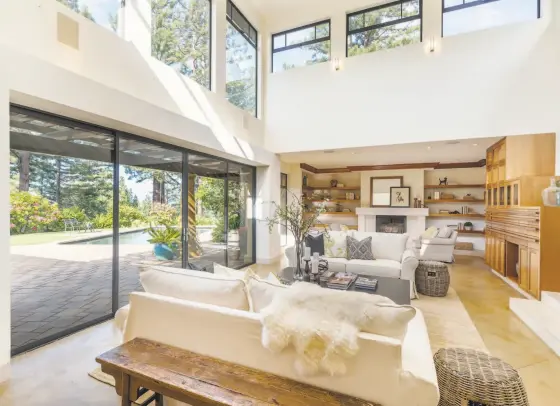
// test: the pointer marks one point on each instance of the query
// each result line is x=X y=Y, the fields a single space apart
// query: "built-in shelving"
x=332 y=188
x=333 y=201
x=335 y=214
x=471 y=215
x=476 y=232
x=434 y=201
x=478 y=186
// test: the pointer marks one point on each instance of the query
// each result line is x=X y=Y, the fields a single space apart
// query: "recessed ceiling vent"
x=453 y=142
x=329 y=151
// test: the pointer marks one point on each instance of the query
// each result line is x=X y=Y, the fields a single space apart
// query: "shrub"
x=205 y=221
x=164 y=215
x=128 y=216
x=30 y=213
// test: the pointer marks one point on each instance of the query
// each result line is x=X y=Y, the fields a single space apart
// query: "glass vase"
x=551 y=195
x=298 y=272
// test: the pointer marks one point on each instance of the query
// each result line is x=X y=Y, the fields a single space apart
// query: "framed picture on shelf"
x=400 y=196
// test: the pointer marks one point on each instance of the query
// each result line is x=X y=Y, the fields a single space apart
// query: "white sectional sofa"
x=392 y=258
x=386 y=370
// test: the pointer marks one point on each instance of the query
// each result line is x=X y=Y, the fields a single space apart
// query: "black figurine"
x=443 y=181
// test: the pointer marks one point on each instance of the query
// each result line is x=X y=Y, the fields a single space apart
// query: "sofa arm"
x=438 y=241
x=409 y=263
x=120 y=318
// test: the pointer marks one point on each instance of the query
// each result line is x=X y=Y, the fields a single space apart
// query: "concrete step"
x=551 y=300
x=542 y=320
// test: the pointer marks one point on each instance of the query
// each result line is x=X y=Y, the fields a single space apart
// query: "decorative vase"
x=551 y=195
x=304 y=180
x=468 y=228
x=334 y=182
x=298 y=272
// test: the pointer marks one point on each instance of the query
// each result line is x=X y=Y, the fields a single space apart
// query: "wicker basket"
x=474 y=377
x=432 y=278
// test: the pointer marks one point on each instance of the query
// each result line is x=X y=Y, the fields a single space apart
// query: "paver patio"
x=56 y=287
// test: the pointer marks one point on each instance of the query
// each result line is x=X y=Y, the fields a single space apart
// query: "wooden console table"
x=198 y=380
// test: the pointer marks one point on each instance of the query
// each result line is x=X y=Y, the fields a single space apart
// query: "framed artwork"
x=400 y=196
x=380 y=190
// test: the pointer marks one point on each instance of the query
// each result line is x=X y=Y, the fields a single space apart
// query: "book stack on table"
x=341 y=280
x=366 y=283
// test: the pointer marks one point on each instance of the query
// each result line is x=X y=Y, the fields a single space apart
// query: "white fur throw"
x=323 y=324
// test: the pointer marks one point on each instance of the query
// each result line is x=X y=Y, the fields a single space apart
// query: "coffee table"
x=398 y=290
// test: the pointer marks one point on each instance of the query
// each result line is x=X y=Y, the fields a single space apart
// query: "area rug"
x=449 y=323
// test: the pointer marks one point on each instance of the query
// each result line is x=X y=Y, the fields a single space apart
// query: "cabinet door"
x=488 y=248
x=524 y=268
x=515 y=200
x=501 y=256
x=534 y=272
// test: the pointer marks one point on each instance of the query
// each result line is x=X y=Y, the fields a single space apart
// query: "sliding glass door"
x=150 y=221
x=61 y=196
x=90 y=207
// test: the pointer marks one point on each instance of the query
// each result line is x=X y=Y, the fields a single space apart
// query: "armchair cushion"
x=439 y=241
x=444 y=232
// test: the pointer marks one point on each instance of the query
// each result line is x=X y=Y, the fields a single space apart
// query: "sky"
x=100 y=9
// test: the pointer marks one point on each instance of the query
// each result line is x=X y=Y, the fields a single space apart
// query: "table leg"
x=159 y=399
x=125 y=390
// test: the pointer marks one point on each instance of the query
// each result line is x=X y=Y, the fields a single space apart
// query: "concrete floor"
x=57 y=287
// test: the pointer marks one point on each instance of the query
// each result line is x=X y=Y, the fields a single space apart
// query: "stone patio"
x=57 y=287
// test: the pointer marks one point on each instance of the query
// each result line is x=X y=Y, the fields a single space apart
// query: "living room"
x=165 y=159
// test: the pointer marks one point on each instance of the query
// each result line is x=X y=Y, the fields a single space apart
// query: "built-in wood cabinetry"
x=522 y=238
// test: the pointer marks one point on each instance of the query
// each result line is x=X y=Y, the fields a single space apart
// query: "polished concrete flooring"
x=57 y=374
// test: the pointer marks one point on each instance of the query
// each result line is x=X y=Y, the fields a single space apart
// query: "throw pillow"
x=196 y=286
x=316 y=243
x=335 y=244
x=390 y=320
x=445 y=232
x=261 y=292
x=430 y=233
x=359 y=249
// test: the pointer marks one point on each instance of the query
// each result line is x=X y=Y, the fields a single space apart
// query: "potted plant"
x=468 y=226
x=299 y=220
x=166 y=242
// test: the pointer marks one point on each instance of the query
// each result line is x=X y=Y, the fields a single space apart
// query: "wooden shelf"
x=333 y=201
x=351 y=214
x=476 y=232
x=351 y=227
x=454 y=201
x=332 y=188
x=458 y=215
x=481 y=186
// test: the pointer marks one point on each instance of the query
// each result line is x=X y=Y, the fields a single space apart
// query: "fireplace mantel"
x=415 y=218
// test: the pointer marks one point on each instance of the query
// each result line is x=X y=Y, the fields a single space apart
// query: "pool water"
x=135 y=237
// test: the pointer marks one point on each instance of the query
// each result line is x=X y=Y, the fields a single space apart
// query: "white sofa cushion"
x=335 y=244
x=337 y=264
x=262 y=292
x=379 y=267
x=444 y=232
x=196 y=286
x=385 y=245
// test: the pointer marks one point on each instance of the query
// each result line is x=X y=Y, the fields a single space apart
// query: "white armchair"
x=438 y=249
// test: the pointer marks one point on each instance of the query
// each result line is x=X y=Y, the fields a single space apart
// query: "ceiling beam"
x=308 y=168
x=456 y=165
x=423 y=165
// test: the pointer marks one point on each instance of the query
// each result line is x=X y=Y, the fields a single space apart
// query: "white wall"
x=5 y=330
x=501 y=81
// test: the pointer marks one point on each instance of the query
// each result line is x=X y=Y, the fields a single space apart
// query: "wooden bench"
x=140 y=365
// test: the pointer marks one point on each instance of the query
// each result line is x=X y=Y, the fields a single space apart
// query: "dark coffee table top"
x=398 y=290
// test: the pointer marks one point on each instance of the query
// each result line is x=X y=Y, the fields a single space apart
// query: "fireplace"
x=390 y=224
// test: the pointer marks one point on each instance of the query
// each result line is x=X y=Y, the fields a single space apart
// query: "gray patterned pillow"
x=359 y=249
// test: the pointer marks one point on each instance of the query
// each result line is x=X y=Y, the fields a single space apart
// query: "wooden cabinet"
x=534 y=272
x=524 y=268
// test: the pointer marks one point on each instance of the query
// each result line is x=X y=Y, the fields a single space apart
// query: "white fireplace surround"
x=415 y=218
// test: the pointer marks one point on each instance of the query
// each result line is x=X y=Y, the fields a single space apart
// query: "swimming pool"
x=139 y=237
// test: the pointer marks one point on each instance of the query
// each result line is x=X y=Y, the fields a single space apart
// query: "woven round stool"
x=432 y=278
x=469 y=377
